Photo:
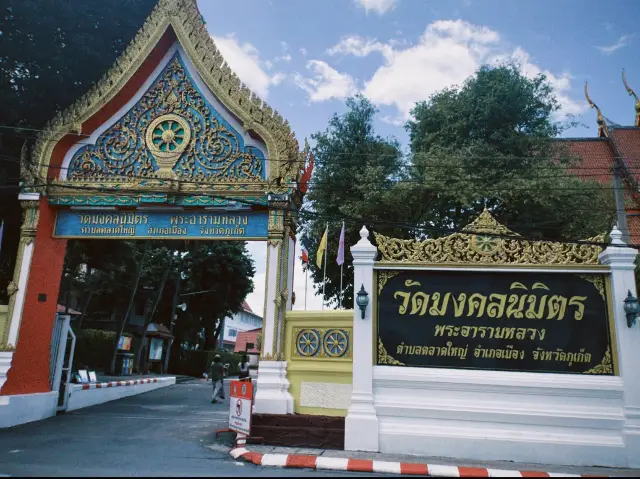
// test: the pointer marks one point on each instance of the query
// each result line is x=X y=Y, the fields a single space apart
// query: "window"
x=233 y=333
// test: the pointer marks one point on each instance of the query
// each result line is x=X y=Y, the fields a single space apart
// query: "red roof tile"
x=597 y=159
x=245 y=337
x=627 y=142
x=246 y=307
x=633 y=223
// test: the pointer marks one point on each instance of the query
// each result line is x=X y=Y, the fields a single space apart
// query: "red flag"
x=303 y=183
x=305 y=256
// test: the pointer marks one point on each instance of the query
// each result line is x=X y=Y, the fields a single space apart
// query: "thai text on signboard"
x=162 y=225
x=533 y=322
x=241 y=394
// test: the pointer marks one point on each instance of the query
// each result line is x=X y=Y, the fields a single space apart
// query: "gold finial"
x=633 y=94
x=602 y=127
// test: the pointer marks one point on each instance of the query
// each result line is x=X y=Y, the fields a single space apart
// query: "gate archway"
x=169 y=144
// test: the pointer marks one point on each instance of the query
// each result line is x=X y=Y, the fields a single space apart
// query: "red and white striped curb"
x=365 y=465
x=115 y=384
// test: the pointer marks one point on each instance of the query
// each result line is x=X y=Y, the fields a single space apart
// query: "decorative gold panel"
x=485 y=242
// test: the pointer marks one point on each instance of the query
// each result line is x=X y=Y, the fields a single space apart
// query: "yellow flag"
x=321 y=249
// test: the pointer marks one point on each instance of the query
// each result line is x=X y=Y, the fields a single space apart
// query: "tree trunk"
x=217 y=331
x=149 y=318
x=85 y=307
x=125 y=317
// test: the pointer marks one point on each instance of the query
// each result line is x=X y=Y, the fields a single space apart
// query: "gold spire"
x=633 y=94
x=603 y=132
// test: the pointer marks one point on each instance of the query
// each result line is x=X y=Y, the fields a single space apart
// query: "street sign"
x=240 y=406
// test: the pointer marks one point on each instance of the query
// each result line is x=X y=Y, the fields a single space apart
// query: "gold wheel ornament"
x=167 y=137
x=485 y=245
x=336 y=343
x=308 y=342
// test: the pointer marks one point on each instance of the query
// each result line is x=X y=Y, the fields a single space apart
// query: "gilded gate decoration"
x=172 y=132
x=196 y=138
x=485 y=241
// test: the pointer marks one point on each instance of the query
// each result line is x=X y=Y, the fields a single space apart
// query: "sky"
x=305 y=57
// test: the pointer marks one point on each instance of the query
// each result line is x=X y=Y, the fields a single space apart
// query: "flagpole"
x=341 y=292
x=306 y=280
x=324 y=276
x=342 y=273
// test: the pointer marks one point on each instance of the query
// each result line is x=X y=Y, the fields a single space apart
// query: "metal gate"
x=63 y=344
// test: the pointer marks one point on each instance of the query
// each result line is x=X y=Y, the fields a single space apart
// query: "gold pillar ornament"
x=633 y=94
x=30 y=219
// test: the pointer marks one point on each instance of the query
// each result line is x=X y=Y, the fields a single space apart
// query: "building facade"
x=243 y=320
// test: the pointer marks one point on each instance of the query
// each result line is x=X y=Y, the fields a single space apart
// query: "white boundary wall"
x=490 y=415
x=81 y=396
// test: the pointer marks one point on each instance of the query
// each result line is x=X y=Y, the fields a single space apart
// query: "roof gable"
x=182 y=18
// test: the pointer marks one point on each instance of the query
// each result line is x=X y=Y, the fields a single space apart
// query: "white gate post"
x=621 y=261
x=361 y=424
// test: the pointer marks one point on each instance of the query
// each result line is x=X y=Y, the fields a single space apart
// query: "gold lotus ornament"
x=167 y=137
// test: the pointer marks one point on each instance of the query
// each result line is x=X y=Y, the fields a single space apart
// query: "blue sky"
x=304 y=57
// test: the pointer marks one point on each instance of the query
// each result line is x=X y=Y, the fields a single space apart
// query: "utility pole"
x=174 y=309
x=621 y=215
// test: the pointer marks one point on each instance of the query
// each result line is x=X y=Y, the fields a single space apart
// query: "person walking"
x=216 y=374
x=243 y=368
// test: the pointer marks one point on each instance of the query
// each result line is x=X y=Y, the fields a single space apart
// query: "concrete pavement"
x=167 y=432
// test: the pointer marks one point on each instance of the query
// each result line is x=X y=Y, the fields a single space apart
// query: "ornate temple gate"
x=486 y=346
x=169 y=144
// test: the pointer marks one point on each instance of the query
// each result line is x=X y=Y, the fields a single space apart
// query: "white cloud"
x=326 y=83
x=360 y=47
x=284 y=58
x=447 y=53
x=378 y=6
x=304 y=52
x=278 y=78
x=623 y=41
x=244 y=60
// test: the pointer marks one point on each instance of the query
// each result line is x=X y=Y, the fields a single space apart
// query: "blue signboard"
x=201 y=225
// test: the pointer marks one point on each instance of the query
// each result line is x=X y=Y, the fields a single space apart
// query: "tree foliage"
x=355 y=177
x=490 y=142
x=104 y=273
x=52 y=52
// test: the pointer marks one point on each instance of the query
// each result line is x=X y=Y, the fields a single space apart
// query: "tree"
x=356 y=176
x=492 y=143
x=50 y=46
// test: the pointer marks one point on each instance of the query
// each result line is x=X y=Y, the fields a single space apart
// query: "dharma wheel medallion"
x=167 y=138
x=485 y=245
x=308 y=342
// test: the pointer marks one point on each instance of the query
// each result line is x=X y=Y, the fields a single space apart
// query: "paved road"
x=166 y=432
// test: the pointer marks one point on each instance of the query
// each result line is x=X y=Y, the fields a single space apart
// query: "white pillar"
x=361 y=424
x=621 y=261
x=272 y=393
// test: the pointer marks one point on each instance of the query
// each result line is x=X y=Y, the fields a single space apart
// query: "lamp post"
x=362 y=299
x=631 y=308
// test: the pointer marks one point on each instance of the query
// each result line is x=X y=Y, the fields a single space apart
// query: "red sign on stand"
x=241 y=406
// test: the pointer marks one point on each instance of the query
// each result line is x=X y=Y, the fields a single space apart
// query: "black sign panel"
x=546 y=322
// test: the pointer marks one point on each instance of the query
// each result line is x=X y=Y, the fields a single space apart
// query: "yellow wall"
x=4 y=321
x=321 y=366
